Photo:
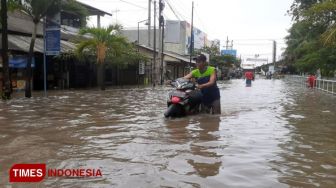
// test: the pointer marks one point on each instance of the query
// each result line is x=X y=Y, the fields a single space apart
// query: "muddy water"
x=272 y=134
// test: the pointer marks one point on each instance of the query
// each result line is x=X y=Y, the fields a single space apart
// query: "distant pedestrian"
x=311 y=80
x=249 y=77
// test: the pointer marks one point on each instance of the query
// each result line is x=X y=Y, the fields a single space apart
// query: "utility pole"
x=227 y=43
x=116 y=15
x=154 y=48
x=4 y=54
x=159 y=70
x=161 y=38
x=98 y=21
x=274 y=53
x=149 y=22
x=231 y=44
x=192 y=32
x=163 y=63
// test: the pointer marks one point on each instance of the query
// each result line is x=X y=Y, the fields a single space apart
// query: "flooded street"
x=273 y=134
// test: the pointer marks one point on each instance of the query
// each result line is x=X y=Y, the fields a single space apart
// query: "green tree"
x=223 y=61
x=7 y=90
x=311 y=39
x=212 y=50
x=216 y=59
x=325 y=12
x=299 y=6
x=5 y=5
x=103 y=43
x=37 y=10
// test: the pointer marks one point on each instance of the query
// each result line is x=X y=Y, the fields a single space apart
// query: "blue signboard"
x=229 y=52
x=53 y=42
x=53 y=34
x=20 y=62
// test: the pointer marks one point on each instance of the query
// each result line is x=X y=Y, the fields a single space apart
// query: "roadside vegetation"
x=312 y=37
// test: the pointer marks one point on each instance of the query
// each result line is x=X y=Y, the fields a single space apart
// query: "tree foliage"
x=311 y=41
x=216 y=59
x=37 y=10
x=108 y=46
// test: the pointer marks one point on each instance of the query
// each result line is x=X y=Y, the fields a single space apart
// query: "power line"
x=133 y=4
x=183 y=8
x=171 y=8
x=200 y=20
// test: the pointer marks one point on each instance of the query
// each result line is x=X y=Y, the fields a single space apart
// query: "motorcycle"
x=184 y=100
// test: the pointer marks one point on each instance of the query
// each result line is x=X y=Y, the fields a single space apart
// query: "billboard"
x=200 y=38
x=187 y=27
x=173 y=30
x=229 y=52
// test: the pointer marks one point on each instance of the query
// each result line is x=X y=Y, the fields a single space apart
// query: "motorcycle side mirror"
x=170 y=82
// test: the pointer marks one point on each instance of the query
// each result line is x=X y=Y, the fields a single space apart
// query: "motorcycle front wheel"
x=174 y=110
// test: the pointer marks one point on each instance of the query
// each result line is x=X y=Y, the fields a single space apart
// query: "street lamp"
x=139 y=29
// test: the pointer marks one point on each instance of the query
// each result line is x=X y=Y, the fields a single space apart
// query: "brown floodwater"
x=273 y=134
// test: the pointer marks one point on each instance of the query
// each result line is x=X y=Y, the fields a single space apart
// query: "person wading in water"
x=205 y=76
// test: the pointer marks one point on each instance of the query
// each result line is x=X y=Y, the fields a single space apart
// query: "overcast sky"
x=251 y=24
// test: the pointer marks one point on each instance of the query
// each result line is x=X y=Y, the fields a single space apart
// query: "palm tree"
x=36 y=9
x=10 y=5
x=103 y=43
x=329 y=37
x=7 y=90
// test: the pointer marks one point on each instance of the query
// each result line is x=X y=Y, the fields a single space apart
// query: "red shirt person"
x=311 y=81
x=249 y=78
x=249 y=75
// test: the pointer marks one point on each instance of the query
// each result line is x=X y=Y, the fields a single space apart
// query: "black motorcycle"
x=184 y=100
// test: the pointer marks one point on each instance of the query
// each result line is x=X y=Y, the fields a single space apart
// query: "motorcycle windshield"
x=184 y=84
x=178 y=94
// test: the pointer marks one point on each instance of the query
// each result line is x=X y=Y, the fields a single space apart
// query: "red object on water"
x=175 y=100
x=311 y=81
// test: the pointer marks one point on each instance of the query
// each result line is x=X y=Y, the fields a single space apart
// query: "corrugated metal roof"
x=22 y=43
x=20 y=22
x=170 y=54
x=93 y=10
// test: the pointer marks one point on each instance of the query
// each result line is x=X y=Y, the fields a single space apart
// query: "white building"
x=177 y=37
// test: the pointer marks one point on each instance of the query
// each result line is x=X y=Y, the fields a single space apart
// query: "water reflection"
x=272 y=134
x=206 y=162
x=200 y=134
x=308 y=158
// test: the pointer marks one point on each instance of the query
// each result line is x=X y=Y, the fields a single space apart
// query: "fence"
x=328 y=86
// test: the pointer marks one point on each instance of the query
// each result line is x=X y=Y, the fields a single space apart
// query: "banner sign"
x=53 y=34
x=141 y=68
x=53 y=42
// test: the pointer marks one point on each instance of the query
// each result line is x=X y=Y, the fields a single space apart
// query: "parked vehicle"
x=184 y=100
